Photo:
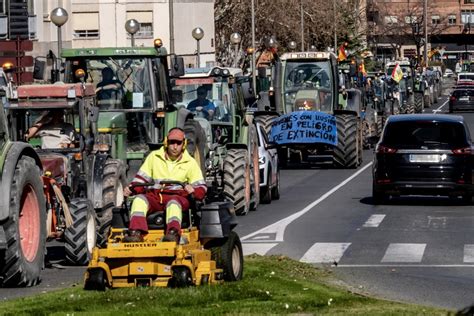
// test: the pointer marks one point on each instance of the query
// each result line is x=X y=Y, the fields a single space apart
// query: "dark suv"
x=423 y=154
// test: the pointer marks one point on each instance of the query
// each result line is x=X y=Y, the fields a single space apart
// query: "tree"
x=281 y=19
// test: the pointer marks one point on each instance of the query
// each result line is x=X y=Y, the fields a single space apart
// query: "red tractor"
x=80 y=180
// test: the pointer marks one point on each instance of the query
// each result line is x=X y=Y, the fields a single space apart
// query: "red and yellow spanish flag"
x=397 y=73
x=341 y=54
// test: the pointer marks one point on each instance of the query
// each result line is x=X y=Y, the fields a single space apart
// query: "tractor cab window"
x=120 y=83
x=206 y=98
x=308 y=86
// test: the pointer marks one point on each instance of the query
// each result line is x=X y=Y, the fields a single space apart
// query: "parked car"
x=269 y=170
x=423 y=154
x=461 y=98
x=448 y=73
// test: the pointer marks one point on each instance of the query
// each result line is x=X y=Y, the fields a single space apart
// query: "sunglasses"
x=175 y=142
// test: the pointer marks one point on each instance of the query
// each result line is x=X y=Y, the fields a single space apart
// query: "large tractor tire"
x=266 y=122
x=80 y=237
x=114 y=179
x=237 y=180
x=418 y=102
x=21 y=263
x=346 y=153
x=196 y=137
x=254 y=166
x=229 y=257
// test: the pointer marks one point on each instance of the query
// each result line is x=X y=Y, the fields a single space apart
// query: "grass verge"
x=271 y=285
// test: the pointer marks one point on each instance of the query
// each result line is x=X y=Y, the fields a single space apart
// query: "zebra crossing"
x=334 y=252
x=372 y=253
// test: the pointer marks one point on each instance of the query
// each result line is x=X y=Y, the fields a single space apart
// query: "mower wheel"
x=181 y=277
x=25 y=229
x=96 y=280
x=229 y=257
x=80 y=237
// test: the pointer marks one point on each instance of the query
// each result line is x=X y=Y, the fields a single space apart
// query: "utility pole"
x=302 y=26
x=254 y=75
x=171 y=14
x=335 y=26
x=425 y=18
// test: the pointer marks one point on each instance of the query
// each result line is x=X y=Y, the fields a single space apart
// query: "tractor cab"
x=133 y=97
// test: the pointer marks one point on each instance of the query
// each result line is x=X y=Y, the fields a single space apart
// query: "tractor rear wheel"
x=21 y=263
x=229 y=257
x=266 y=122
x=196 y=137
x=237 y=179
x=114 y=179
x=81 y=236
x=346 y=152
x=418 y=102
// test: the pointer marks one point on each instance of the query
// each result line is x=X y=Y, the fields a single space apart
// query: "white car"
x=448 y=73
x=269 y=171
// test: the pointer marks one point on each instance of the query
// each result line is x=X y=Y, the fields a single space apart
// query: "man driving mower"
x=170 y=162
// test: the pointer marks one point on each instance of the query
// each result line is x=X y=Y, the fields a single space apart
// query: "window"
x=391 y=19
x=467 y=16
x=2 y=7
x=452 y=19
x=31 y=7
x=468 y=1
x=435 y=19
x=411 y=19
x=145 y=18
x=85 y=25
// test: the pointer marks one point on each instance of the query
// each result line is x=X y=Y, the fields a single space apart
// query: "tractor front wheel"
x=81 y=235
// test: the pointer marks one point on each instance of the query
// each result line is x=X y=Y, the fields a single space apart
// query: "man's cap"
x=176 y=134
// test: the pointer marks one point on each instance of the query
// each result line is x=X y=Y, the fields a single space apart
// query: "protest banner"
x=304 y=127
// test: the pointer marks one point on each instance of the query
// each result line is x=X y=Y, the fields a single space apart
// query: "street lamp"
x=292 y=45
x=59 y=17
x=132 y=26
x=235 y=39
x=198 y=34
x=466 y=31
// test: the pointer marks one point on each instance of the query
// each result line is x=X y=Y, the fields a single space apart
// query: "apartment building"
x=401 y=23
x=101 y=23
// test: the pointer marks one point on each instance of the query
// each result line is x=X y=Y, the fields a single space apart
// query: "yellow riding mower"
x=209 y=252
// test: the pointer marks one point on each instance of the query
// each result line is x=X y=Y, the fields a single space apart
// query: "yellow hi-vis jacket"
x=157 y=168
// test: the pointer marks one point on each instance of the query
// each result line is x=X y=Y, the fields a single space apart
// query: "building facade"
x=396 y=28
x=101 y=23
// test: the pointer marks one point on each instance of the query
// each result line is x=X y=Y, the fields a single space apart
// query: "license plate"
x=464 y=99
x=425 y=158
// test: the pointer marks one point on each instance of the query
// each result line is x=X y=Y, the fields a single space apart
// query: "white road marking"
x=374 y=220
x=469 y=253
x=323 y=252
x=259 y=249
x=277 y=229
x=404 y=253
x=395 y=265
x=439 y=108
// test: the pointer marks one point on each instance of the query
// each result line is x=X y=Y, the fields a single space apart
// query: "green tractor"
x=310 y=117
x=22 y=212
x=232 y=168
